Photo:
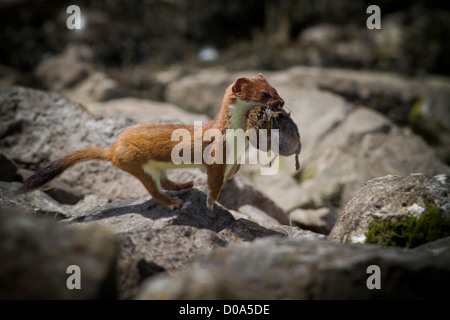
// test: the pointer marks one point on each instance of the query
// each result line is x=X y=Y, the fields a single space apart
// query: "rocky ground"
x=367 y=179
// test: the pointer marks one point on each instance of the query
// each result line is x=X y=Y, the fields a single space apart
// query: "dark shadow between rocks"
x=145 y=210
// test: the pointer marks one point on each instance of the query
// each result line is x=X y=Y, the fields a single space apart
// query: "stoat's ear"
x=261 y=76
x=239 y=84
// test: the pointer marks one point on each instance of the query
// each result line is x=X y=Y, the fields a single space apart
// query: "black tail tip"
x=41 y=177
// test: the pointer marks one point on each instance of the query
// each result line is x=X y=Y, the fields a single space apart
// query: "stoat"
x=144 y=150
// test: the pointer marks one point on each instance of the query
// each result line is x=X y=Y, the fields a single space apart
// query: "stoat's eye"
x=265 y=96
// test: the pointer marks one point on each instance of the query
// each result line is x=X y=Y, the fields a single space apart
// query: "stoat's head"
x=257 y=91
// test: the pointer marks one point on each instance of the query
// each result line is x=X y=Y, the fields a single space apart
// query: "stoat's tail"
x=55 y=168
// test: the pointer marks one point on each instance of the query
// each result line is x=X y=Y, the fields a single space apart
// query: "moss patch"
x=410 y=232
x=425 y=128
x=415 y=114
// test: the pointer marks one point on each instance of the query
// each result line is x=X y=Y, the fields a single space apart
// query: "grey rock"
x=274 y=268
x=36 y=202
x=318 y=220
x=57 y=189
x=74 y=73
x=418 y=103
x=39 y=127
x=238 y=192
x=135 y=215
x=72 y=66
x=171 y=248
x=242 y=191
x=203 y=91
x=316 y=113
x=36 y=252
x=96 y=87
x=142 y=110
x=144 y=212
x=298 y=233
x=390 y=198
x=243 y=230
x=185 y=92
x=151 y=239
x=364 y=146
x=440 y=246
x=260 y=217
x=390 y=94
x=40 y=203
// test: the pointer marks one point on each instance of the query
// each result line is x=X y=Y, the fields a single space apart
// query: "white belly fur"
x=156 y=169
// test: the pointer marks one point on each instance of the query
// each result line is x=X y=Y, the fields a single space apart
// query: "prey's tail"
x=55 y=168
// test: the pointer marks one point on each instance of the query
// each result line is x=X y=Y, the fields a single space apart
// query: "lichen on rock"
x=410 y=232
x=396 y=211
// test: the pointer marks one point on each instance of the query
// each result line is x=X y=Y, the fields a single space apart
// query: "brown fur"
x=152 y=141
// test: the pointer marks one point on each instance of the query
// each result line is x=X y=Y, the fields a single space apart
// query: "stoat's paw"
x=175 y=203
x=210 y=203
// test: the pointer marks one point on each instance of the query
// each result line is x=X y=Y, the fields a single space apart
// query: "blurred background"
x=268 y=34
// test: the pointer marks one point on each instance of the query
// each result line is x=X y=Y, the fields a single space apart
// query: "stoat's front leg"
x=215 y=174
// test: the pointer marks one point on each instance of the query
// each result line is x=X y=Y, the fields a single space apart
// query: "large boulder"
x=396 y=211
x=146 y=252
x=36 y=253
x=273 y=268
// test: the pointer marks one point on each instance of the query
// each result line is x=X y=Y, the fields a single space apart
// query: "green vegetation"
x=308 y=172
x=425 y=127
x=410 y=232
x=415 y=114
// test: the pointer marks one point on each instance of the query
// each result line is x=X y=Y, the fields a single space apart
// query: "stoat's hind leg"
x=168 y=184
x=151 y=181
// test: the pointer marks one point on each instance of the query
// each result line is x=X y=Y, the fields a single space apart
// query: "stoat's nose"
x=281 y=104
